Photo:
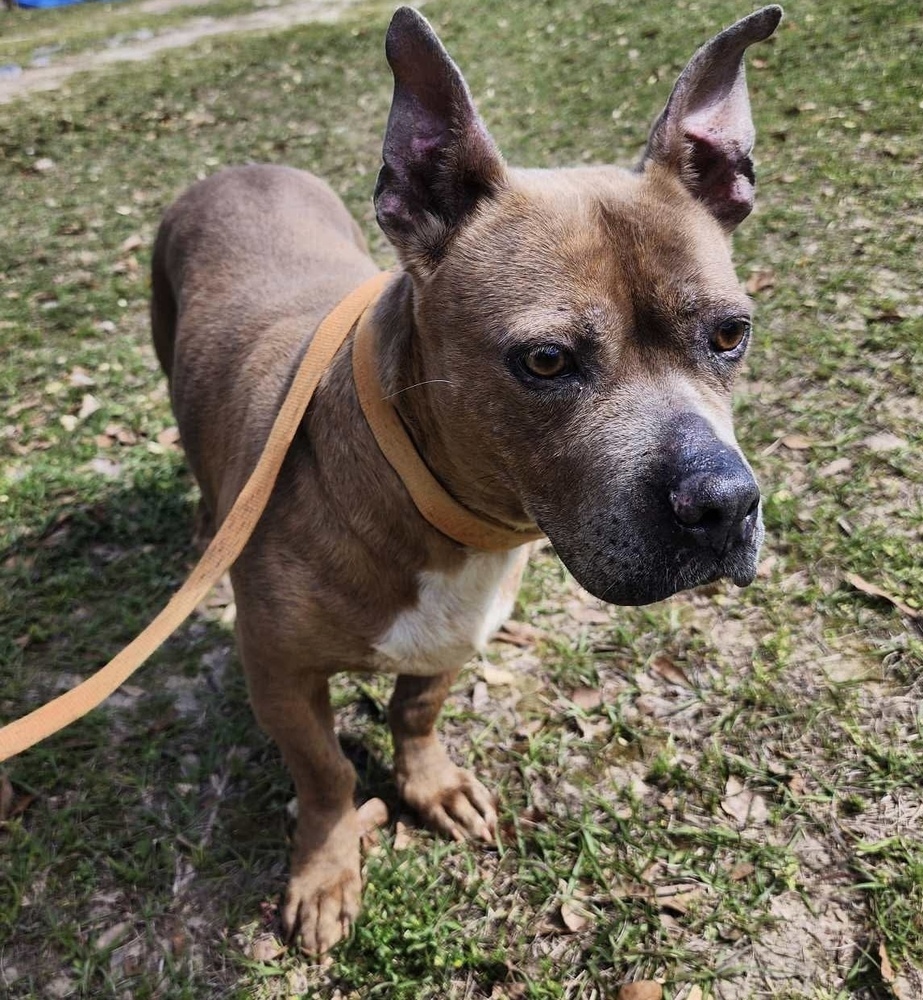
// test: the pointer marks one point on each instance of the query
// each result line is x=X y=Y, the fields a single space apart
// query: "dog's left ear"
x=439 y=159
x=705 y=133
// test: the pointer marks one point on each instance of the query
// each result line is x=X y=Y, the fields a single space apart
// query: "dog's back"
x=245 y=265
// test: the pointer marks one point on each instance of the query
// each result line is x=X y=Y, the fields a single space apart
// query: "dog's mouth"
x=646 y=567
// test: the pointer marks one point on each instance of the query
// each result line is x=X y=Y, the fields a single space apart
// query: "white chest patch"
x=455 y=615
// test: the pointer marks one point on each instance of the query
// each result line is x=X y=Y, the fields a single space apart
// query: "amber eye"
x=548 y=361
x=730 y=334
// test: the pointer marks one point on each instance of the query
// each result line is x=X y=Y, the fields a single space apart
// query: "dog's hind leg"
x=325 y=886
x=447 y=797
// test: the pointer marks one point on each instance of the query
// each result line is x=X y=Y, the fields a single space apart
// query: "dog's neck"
x=413 y=389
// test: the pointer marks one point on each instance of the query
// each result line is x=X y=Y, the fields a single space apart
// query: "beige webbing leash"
x=225 y=547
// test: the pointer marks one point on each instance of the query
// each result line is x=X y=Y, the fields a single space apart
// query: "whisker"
x=417 y=385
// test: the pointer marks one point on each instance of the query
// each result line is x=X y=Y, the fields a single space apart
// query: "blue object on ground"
x=47 y=3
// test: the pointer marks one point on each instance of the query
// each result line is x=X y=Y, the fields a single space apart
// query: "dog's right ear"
x=439 y=160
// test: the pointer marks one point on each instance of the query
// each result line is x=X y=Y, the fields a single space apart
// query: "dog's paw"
x=322 y=902
x=448 y=798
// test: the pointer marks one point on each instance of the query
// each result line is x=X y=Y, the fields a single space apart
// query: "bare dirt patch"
x=44 y=78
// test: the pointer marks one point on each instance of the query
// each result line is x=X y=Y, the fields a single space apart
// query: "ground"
x=721 y=792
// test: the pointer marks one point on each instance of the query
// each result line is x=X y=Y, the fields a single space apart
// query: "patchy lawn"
x=722 y=791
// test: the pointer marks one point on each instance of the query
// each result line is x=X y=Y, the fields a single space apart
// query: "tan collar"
x=433 y=502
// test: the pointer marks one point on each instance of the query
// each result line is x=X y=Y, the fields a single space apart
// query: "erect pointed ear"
x=705 y=133
x=439 y=160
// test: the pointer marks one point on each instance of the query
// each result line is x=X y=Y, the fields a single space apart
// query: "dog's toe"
x=320 y=907
x=449 y=799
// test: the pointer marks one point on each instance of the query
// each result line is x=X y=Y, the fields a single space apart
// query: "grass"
x=722 y=790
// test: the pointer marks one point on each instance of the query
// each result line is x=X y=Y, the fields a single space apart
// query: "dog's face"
x=580 y=330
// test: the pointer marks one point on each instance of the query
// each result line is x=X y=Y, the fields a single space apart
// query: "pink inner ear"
x=722 y=173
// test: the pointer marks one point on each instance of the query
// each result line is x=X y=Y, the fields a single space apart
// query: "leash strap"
x=225 y=547
x=431 y=499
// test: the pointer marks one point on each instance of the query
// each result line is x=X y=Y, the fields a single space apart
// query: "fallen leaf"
x=574 y=917
x=869 y=588
x=105 y=467
x=743 y=805
x=519 y=634
x=44 y=165
x=695 y=993
x=112 y=935
x=79 y=378
x=132 y=242
x=797 y=442
x=265 y=948
x=662 y=666
x=497 y=676
x=883 y=442
x=835 y=467
x=69 y=422
x=168 y=436
x=479 y=695
x=884 y=964
x=586 y=698
x=88 y=406
x=588 y=615
x=643 y=989
x=740 y=871
x=677 y=898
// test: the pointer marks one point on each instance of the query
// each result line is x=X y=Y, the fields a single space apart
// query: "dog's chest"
x=455 y=615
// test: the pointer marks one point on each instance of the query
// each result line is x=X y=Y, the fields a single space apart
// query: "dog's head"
x=578 y=331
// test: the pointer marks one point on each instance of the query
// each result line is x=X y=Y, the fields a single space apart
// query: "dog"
x=560 y=346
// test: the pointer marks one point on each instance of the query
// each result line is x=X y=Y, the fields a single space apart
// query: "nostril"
x=753 y=506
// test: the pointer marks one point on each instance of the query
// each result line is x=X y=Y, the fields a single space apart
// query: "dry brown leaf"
x=104 y=467
x=79 y=378
x=574 y=917
x=835 y=467
x=132 y=242
x=586 y=698
x=746 y=807
x=884 y=964
x=69 y=422
x=663 y=666
x=741 y=870
x=796 y=784
x=520 y=634
x=480 y=696
x=497 y=676
x=588 y=615
x=883 y=442
x=265 y=948
x=643 y=989
x=88 y=406
x=677 y=898
x=797 y=442
x=695 y=993
x=869 y=588
x=168 y=436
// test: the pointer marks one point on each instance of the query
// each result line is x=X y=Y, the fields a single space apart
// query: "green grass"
x=148 y=848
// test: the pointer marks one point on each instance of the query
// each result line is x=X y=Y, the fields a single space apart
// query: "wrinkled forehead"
x=586 y=236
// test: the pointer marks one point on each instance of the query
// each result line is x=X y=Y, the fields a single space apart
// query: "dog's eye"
x=548 y=361
x=730 y=334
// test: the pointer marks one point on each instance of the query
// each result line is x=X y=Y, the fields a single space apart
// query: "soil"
x=33 y=79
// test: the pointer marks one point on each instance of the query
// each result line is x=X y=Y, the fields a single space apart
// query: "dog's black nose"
x=717 y=506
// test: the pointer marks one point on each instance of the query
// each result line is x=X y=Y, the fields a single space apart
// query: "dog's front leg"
x=325 y=886
x=447 y=797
